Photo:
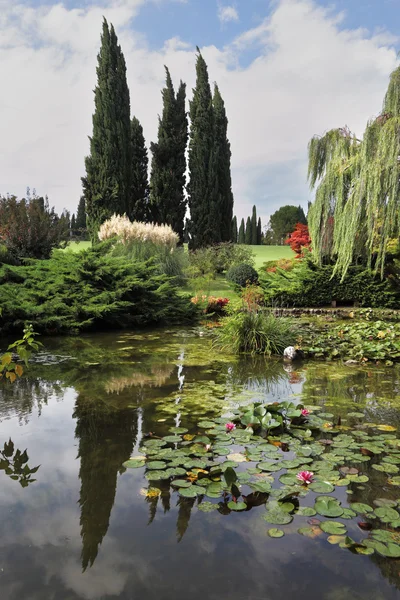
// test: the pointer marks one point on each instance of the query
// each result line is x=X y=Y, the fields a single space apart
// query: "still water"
x=81 y=526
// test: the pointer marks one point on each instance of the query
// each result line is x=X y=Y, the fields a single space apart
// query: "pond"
x=76 y=523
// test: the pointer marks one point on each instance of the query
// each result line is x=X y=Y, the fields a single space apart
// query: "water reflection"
x=86 y=513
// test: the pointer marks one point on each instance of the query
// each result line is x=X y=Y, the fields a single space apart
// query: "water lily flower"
x=305 y=477
x=230 y=427
x=207 y=447
x=305 y=412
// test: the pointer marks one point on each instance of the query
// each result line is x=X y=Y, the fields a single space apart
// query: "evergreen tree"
x=81 y=214
x=234 y=234
x=259 y=232
x=222 y=158
x=203 y=185
x=73 y=223
x=248 y=231
x=137 y=208
x=106 y=185
x=167 y=198
x=254 y=227
x=242 y=233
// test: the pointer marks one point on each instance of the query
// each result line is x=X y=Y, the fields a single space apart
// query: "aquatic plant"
x=254 y=332
x=305 y=477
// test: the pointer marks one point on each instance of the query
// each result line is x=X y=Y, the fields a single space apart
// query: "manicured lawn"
x=78 y=246
x=263 y=254
x=217 y=287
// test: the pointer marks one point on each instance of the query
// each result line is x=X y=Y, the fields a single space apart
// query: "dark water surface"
x=85 y=528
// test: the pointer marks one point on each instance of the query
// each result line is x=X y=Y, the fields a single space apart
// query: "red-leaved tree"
x=299 y=238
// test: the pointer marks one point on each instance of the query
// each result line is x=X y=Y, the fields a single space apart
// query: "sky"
x=287 y=70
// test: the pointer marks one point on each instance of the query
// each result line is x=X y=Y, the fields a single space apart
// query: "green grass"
x=78 y=246
x=263 y=254
x=218 y=287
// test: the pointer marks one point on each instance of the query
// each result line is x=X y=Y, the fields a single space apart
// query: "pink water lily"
x=230 y=427
x=305 y=477
x=305 y=412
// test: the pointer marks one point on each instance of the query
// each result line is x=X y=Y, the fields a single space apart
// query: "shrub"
x=299 y=239
x=144 y=233
x=87 y=290
x=254 y=332
x=211 y=304
x=29 y=228
x=309 y=285
x=242 y=275
x=218 y=258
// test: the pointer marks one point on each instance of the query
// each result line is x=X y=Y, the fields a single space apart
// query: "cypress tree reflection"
x=106 y=439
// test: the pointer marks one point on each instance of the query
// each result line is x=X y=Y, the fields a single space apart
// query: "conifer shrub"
x=88 y=290
x=242 y=275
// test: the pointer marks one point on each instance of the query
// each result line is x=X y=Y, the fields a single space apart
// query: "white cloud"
x=227 y=14
x=308 y=75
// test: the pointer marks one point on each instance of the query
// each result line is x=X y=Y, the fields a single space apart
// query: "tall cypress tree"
x=167 y=198
x=222 y=158
x=248 y=231
x=80 y=221
x=254 y=227
x=234 y=234
x=259 y=232
x=242 y=233
x=106 y=185
x=203 y=185
x=137 y=208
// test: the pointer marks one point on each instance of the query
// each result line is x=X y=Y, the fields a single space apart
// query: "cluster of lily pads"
x=289 y=459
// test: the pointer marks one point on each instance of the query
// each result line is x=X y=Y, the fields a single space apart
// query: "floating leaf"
x=311 y=532
x=156 y=465
x=333 y=527
x=276 y=516
x=135 y=462
x=205 y=424
x=275 y=533
x=237 y=505
x=270 y=467
x=189 y=492
x=336 y=539
x=306 y=511
x=322 y=487
x=386 y=428
x=356 y=415
x=328 y=506
x=156 y=475
x=172 y=438
x=181 y=483
x=361 y=508
x=207 y=506
x=178 y=430
x=237 y=457
x=386 y=514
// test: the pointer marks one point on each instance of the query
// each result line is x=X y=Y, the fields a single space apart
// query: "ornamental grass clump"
x=254 y=332
x=131 y=232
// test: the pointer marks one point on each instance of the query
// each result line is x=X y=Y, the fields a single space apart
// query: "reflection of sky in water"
x=217 y=556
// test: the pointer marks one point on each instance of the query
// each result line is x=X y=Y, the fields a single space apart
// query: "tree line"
x=116 y=179
x=249 y=232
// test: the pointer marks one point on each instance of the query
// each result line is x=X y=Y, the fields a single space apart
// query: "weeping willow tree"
x=356 y=210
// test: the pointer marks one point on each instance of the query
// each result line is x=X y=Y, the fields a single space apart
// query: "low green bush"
x=254 y=332
x=242 y=275
x=86 y=290
x=219 y=258
x=309 y=285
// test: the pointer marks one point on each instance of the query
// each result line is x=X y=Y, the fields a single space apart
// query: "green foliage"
x=361 y=341
x=137 y=207
x=106 y=185
x=29 y=228
x=203 y=186
x=80 y=222
x=248 y=232
x=310 y=285
x=259 y=232
x=218 y=258
x=15 y=464
x=254 y=240
x=171 y=262
x=283 y=221
x=222 y=160
x=242 y=233
x=234 y=230
x=356 y=208
x=254 y=332
x=9 y=369
x=242 y=274
x=167 y=198
x=88 y=290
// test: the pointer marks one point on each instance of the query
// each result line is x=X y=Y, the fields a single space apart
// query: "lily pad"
x=207 y=507
x=336 y=539
x=172 y=438
x=135 y=462
x=205 y=424
x=181 y=483
x=328 y=506
x=312 y=531
x=237 y=505
x=275 y=533
x=306 y=511
x=270 y=467
x=361 y=508
x=386 y=514
x=188 y=492
x=276 y=516
x=156 y=465
x=333 y=527
x=322 y=487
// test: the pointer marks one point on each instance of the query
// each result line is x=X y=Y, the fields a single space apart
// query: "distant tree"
x=203 y=186
x=259 y=232
x=137 y=207
x=73 y=223
x=168 y=168
x=254 y=226
x=81 y=215
x=248 y=232
x=283 y=222
x=242 y=233
x=106 y=185
x=234 y=230
x=222 y=159
x=299 y=238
